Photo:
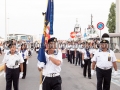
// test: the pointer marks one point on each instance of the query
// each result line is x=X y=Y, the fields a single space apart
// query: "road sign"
x=100 y=25
x=72 y=34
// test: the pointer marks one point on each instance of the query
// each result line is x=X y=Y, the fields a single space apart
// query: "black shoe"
x=84 y=76
x=23 y=77
x=89 y=77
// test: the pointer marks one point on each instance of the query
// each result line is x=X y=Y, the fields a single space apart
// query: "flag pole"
x=44 y=14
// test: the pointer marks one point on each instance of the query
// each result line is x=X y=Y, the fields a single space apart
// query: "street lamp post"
x=5 y=23
x=91 y=24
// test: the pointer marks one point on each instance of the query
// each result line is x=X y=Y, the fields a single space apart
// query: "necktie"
x=87 y=52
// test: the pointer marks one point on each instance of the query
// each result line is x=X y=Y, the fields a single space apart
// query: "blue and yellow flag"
x=48 y=29
x=50 y=15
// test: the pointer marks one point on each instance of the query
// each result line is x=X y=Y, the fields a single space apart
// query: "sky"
x=25 y=16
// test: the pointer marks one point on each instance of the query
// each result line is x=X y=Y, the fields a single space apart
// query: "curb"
x=1 y=68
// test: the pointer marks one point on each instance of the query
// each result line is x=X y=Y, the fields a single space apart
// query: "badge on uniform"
x=109 y=58
x=16 y=63
x=55 y=52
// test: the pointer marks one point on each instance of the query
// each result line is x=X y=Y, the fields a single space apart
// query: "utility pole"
x=91 y=19
x=91 y=24
x=5 y=23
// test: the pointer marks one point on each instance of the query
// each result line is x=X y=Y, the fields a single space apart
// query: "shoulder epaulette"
x=8 y=53
x=16 y=53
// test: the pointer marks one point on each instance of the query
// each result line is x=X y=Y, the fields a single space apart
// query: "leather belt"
x=13 y=67
x=52 y=75
x=105 y=68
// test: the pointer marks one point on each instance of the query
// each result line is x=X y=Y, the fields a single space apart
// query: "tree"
x=111 y=23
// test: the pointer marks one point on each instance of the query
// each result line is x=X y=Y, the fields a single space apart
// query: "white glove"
x=21 y=75
x=27 y=62
x=4 y=74
x=92 y=72
x=115 y=73
x=83 y=62
x=40 y=64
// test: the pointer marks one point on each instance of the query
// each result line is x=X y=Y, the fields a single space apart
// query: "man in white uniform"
x=12 y=60
x=104 y=59
x=51 y=71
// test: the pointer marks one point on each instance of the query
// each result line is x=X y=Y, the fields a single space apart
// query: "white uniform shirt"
x=25 y=53
x=6 y=51
x=68 y=47
x=85 y=54
x=92 y=51
x=72 y=48
x=79 y=48
x=101 y=59
x=50 y=67
x=10 y=60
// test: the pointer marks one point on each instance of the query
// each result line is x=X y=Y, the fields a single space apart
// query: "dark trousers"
x=72 y=57
x=24 y=68
x=81 y=60
x=78 y=57
x=68 y=55
x=103 y=77
x=87 y=65
x=52 y=83
x=12 y=75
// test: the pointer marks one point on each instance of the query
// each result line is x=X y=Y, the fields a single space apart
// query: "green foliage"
x=111 y=23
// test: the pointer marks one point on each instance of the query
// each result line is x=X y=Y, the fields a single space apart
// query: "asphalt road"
x=72 y=78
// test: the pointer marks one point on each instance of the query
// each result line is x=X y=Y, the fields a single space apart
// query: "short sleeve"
x=91 y=51
x=59 y=56
x=21 y=58
x=94 y=58
x=83 y=51
x=114 y=57
x=4 y=59
x=26 y=52
x=40 y=64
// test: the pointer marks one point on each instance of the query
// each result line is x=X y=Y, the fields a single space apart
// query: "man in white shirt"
x=12 y=60
x=87 y=60
x=72 y=53
x=51 y=71
x=68 y=51
x=104 y=59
